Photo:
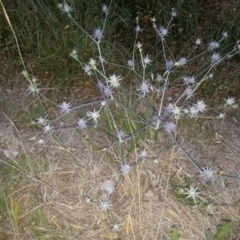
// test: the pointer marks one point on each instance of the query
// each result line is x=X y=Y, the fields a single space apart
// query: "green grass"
x=47 y=37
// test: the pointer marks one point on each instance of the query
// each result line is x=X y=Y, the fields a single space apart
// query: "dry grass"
x=44 y=195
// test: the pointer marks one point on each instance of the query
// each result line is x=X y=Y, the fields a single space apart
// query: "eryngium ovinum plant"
x=130 y=113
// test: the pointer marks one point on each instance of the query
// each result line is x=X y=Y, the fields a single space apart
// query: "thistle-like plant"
x=146 y=105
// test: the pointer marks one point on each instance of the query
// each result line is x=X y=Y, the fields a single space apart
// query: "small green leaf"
x=224 y=230
x=15 y=214
x=183 y=198
x=174 y=233
x=209 y=235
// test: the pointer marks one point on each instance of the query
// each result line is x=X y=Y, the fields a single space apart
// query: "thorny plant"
x=151 y=89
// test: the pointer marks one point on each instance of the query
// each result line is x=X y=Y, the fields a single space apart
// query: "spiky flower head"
x=121 y=135
x=176 y=111
x=163 y=31
x=153 y=19
x=108 y=92
x=208 y=174
x=198 y=42
x=138 y=29
x=130 y=63
x=213 y=45
x=222 y=115
x=159 y=78
x=225 y=35
x=98 y=34
x=192 y=193
x=189 y=80
x=143 y=153
x=47 y=128
x=66 y=8
x=42 y=121
x=144 y=88
x=74 y=53
x=170 y=127
x=114 y=80
x=189 y=93
x=146 y=60
x=105 y=205
x=116 y=227
x=193 y=112
x=173 y=13
x=87 y=69
x=82 y=123
x=169 y=65
x=125 y=169
x=104 y=8
x=200 y=106
x=182 y=61
x=229 y=101
x=215 y=57
x=94 y=115
x=33 y=88
x=92 y=63
x=65 y=107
